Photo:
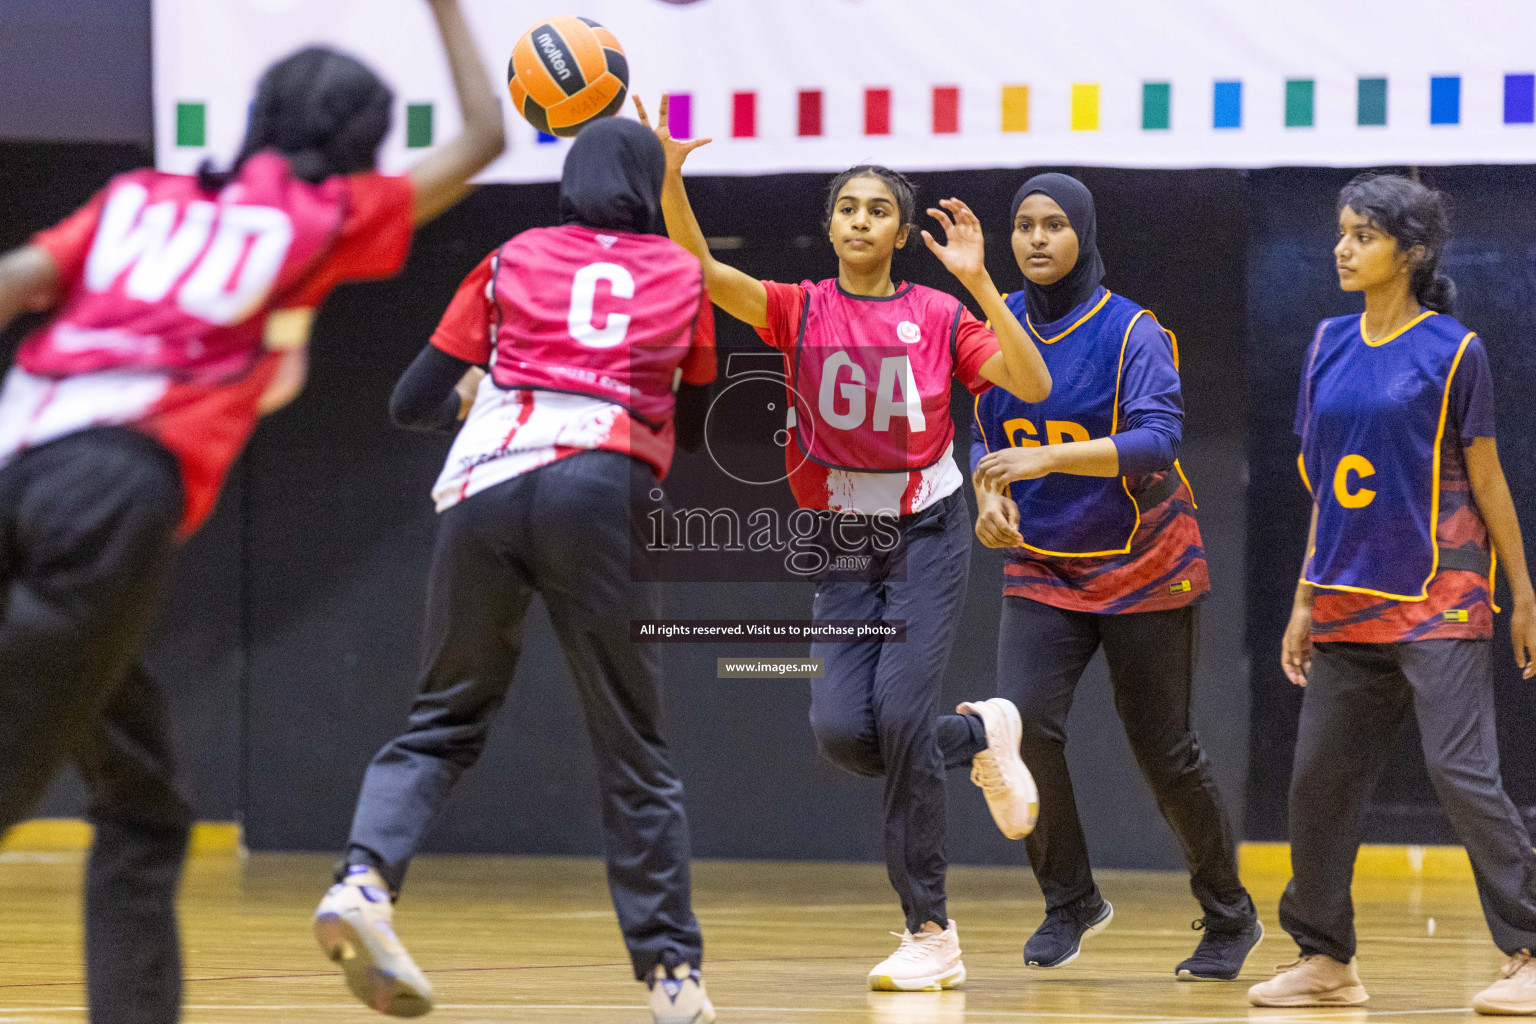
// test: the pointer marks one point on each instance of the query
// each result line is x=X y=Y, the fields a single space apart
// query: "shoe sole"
x=940 y=983
x=1077 y=950
x=373 y=986
x=1502 y=1010
x=1352 y=995
x=1015 y=738
x=1187 y=975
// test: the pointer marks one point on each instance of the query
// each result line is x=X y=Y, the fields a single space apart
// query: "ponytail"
x=1439 y=294
x=325 y=112
x=1414 y=215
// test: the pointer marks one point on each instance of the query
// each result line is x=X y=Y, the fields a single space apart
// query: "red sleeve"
x=786 y=303
x=974 y=344
x=375 y=237
x=465 y=330
x=699 y=363
x=68 y=242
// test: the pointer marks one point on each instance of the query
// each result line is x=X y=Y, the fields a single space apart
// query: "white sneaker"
x=352 y=925
x=1000 y=771
x=926 y=962
x=678 y=998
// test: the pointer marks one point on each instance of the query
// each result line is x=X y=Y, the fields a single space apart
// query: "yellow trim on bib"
x=1179 y=469
x=1410 y=325
x=1113 y=428
x=1493 y=572
x=1301 y=467
x=1085 y=318
x=1434 y=494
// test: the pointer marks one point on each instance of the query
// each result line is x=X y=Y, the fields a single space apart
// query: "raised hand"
x=964 y=251
x=677 y=150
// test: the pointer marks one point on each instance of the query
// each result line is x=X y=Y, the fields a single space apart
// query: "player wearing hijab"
x=576 y=409
x=180 y=311
x=870 y=362
x=1086 y=490
x=1393 y=613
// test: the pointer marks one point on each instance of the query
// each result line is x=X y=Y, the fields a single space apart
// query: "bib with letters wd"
x=1063 y=514
x=184 y=281
x=871 y=378
x=1373 y=415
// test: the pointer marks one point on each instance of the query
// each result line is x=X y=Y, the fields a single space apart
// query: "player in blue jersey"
x=1397 y=446
x=1085 y=489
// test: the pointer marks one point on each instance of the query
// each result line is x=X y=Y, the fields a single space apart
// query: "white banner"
x=818 y=85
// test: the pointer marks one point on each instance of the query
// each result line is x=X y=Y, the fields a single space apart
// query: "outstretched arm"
x=29 y=283
x=1018 y=368
x=442 y=179
x=741 y=295
x=1491 y=492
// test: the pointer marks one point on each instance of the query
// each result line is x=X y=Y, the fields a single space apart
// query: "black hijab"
x=1046 y=304
x=612 y=177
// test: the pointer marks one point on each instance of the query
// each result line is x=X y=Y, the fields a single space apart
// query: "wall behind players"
x=290 y=645
x=75 y=70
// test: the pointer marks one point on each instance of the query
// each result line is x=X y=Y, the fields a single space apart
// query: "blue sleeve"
x=1299 y=423
x=1472 y=393
x=1151 y=404
x=978 y=446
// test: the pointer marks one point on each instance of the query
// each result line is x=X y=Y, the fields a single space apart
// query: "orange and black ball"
x=565 y=72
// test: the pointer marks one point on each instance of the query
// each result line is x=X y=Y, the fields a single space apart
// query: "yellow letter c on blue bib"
x=1362 y=468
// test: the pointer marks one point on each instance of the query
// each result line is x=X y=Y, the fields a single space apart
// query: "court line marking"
x=1276 y=1018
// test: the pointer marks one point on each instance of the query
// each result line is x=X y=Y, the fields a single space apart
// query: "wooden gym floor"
x=533 y=940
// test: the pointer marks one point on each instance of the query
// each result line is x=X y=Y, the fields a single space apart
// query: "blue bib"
x=1061 y=514
x=1373 y=415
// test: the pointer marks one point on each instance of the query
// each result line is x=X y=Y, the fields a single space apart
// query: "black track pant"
x=87 y=532
x=1042 y=652
x=876 y=712
x=564 y=530
x=1357 y=698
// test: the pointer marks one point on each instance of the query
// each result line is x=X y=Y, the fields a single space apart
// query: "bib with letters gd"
x=1061 y=514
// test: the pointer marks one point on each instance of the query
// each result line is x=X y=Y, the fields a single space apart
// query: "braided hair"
x=325 y=112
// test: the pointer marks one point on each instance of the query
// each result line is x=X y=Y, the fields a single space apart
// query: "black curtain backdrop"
x=1291 y=286
x=290 y=644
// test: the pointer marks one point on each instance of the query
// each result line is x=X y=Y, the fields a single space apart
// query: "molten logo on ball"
x=566 y=72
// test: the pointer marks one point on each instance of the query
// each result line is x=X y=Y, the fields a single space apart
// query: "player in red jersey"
x=1086 y=492
x=584 y=330
x=869 y=364
x=180 y=310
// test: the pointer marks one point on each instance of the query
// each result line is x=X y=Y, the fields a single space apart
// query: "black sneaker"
x=1060 y=936
x=1221 y=954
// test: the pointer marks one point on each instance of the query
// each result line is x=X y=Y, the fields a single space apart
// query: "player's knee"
x=460 y=744
x=1039 y=736
x=844 y=746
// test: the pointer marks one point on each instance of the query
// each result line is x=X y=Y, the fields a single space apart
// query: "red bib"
x=596 y=313
x=181 y=280
x=871 y=378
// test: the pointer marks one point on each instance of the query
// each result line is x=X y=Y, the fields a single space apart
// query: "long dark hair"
x=902 y=190
x=1413 y=214
x=326 y=112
